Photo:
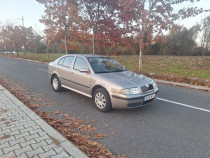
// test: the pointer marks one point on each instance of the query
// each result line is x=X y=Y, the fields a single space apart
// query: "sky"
x=31 y=10
x=13 y=10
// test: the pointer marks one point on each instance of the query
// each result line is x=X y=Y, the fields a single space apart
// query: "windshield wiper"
x=119 y=70
x=103 y=72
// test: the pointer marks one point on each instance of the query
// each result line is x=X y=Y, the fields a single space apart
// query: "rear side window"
x=68 y=61
x=61 y=61
x=80 y=64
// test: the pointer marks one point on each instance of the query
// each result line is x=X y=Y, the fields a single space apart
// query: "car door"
x=65 y=71
x=81 y=80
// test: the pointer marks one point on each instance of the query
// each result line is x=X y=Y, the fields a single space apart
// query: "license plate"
x=149 y=97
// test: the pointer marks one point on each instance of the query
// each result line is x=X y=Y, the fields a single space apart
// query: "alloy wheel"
x=55 y=83
x=100 y=100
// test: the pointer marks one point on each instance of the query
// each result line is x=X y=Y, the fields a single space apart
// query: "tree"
x=11 y=38
x=205 y=39
x=180 y=42
x=61 y=19
x=14 y=37
x=101 y=17
x=26 y=36
x=150 y=18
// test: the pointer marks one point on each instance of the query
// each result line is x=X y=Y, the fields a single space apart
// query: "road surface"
x=176 y=124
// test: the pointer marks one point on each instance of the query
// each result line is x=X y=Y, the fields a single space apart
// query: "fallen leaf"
x=66 y=115
x=3 y=119
x=7 y=123
x=56 y=112
x=122 y=156
x=5 y=136
x=55 y=141
x=4 y=111
x=113 y=133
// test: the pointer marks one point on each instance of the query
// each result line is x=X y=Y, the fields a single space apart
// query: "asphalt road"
x=176 y=124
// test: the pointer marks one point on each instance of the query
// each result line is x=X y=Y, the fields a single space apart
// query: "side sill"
x=85 y=94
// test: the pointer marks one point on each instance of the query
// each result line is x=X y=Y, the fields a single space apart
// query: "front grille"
x=148 y=101
x=146 y=89
x=150 y=87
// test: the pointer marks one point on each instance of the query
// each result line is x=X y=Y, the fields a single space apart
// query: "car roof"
x=86 y=55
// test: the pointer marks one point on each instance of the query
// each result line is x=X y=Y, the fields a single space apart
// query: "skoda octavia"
x=103 y=79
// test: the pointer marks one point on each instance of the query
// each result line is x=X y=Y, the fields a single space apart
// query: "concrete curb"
x=183 y=85
x=64 y=142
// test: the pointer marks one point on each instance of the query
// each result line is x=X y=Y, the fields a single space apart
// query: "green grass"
x=194 y=67
x=43 y=57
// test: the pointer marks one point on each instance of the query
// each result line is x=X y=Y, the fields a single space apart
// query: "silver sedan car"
x=103 y=79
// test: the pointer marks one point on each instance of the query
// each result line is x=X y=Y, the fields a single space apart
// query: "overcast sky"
x=31 y=10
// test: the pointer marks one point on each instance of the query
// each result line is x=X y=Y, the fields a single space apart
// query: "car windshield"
x=105 y=65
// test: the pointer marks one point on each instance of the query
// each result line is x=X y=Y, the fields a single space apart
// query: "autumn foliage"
x=113 y=23
x=73 y=25
x=63 y=21
x=16 y=37
x=148 y=20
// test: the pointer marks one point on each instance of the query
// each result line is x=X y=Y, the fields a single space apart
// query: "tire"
x=56 y=84
x=102 y=100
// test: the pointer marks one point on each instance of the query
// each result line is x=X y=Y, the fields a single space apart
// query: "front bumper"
x=126 y=102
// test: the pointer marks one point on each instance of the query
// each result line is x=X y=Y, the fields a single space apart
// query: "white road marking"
x=13 y=62
x=42 y=70
x=185 y=105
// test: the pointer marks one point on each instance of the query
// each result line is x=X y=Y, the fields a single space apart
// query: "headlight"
x=131 y=91
x=154 y=85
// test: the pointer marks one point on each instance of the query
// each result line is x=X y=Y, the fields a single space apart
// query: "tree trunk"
x=17 y=49
x=48 y=51
x=35 y=48
x=26 y=47
x=140 y=59
x=94 y=42
x=141 y=40
x=202 y=50
x=66 y=44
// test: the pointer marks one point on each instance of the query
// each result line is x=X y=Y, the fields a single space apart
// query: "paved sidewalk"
x=25 y=134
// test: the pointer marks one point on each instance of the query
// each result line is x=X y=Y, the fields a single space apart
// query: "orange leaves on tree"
x=13 y=38
x=62 y=22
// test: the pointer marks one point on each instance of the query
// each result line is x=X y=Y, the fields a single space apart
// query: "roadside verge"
x=185 y=85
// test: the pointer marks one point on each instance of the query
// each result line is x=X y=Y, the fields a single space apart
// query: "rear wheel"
x=56 y=84
x=102 y=100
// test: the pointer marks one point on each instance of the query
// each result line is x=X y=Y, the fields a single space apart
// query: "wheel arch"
x=108 y=104
x=94 y=89
x=53 y=74
x=97 y=87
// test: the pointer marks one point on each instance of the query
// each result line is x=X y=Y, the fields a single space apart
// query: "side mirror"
x=84 y=70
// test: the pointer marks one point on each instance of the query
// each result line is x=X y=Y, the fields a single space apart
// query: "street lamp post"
x=22 y=19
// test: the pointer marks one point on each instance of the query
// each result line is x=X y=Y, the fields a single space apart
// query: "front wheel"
x=102 y=100
x=56 y=84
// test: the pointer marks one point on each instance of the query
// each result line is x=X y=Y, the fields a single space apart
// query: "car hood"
x=126 y=79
